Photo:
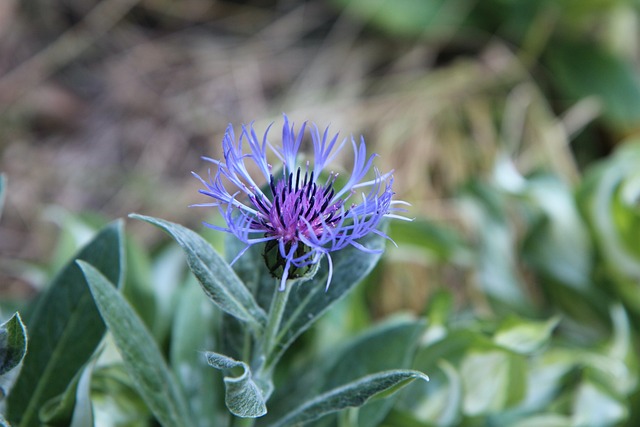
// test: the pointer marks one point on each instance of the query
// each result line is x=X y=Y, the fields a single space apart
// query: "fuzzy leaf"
x=13 y=343
x=64 y=329
x=351 y=395
x=217 y=278
x=244 y=398
x=139 y=351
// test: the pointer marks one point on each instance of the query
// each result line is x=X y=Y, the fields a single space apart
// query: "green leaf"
x=194 y=330
x=139 y=352
x=410 y=17
x=443 y=406
x=351 y=395
x=308 y=300
x=493 y=381
x=64 y=329
x=485 y=209
x=13 y=343
x=432 y=239
x=594 y=406
x=524 y=336
x=73 y=407
x=217 y=278
x=243 y=397
x=582 y=69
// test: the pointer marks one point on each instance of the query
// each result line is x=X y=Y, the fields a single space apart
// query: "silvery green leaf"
x=309 y=300
x=64 y=329
x=217 y=278
x=244 y=398
x=350 y=395
x=13 y=343
x=139 y=351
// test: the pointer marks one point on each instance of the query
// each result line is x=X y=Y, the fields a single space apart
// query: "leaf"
x=582 y=69
x=444 y=405
x=351 y=395
x=73 y=407
x=13 y=343
x=594 y=406
x=493 y=381
x=243 y=397
x=309 y=300
x=410 y=17
x=217 y=278
x=432 y=239
x=193 y=330
x=64 y=329
x=524 y=336
x=139 y=351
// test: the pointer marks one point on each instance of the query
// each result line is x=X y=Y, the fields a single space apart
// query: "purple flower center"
x=300 y=207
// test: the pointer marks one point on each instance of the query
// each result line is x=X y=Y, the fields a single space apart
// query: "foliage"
x=532 y=285
x=549 y=340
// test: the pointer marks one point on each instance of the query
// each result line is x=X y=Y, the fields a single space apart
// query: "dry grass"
x=111 y=112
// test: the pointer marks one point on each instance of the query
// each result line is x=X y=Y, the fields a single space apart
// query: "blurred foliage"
x=512 y=127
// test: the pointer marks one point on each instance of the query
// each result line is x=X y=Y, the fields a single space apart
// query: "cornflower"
x=300 y=214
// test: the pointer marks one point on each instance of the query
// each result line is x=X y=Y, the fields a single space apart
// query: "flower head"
x=300 y=213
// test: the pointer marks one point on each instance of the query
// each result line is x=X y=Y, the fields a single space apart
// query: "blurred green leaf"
x=545 y=420
x=431 y=18
x=443 y=406
x=582 y=69
x=484 y=208
x=115 y=399
x=243 y=396
x=75 y=232
x=436 y=240
x=137 y=288
x=493 y=380
x=594 y=406
x=350 y=395
x=524 y=336
x=559 y=246
x=194 y=331
x=610 y=199
x=13 y=343
x=64 y=329
x=140 y=353
x=218 y=280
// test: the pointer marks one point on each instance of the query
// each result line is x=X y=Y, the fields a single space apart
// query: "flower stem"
x=276 y=311
x=242 y=422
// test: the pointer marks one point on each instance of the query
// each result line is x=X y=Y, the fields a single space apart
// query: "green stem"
x=242 y=422
x=278 y=304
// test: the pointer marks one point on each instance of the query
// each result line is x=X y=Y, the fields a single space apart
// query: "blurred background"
x=511 y=125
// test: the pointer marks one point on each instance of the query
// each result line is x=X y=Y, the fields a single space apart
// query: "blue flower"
x=299 y=212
